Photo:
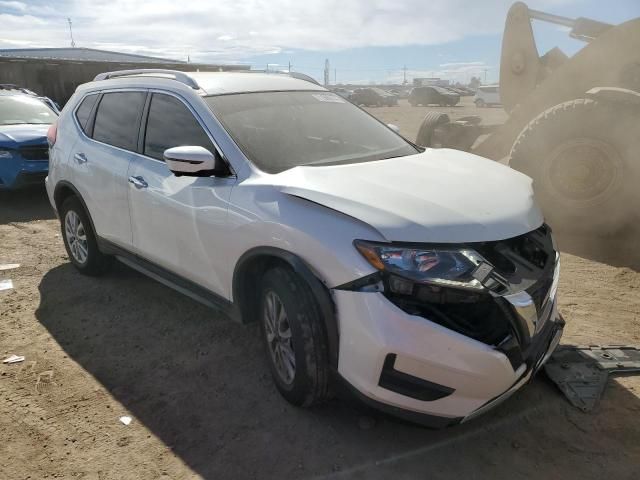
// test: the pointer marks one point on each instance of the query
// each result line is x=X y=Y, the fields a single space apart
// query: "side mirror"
x=192 y=161
x=393 y=127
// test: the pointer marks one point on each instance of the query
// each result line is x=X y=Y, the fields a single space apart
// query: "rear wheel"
x=582 y=156
x=294 y=337
x=80 y=239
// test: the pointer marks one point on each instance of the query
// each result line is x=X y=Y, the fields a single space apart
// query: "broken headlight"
x=442 y=266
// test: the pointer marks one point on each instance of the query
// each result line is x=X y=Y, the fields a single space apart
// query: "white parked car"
x=423 y=280
x=487 y=95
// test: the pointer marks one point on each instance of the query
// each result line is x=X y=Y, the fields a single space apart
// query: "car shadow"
x=200 y=383
x=25 y=205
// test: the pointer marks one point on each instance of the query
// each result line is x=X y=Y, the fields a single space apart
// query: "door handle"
x=80 y=158
x=138 y=182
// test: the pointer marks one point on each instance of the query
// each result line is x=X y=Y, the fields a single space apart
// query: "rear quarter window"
x=83 y=112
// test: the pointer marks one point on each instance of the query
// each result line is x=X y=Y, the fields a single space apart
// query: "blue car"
x=24 y=151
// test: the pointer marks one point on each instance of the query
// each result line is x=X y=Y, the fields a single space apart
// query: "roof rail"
x=178 y=76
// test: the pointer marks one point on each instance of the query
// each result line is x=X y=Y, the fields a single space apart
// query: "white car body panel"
x=440 y=196
x=261 y=216
x=371 y=327
x=179 y=223
x=102 y=182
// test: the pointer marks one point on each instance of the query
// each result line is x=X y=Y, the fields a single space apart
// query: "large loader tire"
x=583 y=158
x=429 y=123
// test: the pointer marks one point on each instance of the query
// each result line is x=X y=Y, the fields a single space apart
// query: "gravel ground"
x=202 y=402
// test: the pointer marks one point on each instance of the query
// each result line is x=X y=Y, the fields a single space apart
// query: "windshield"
x=21 y=109
x=281 y=130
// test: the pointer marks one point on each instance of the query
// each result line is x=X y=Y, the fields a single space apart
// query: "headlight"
x=431 y=265
x=5 y=153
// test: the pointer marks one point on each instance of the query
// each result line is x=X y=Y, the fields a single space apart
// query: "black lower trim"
x=408 y=385
x=424 y=419
x=170 y=279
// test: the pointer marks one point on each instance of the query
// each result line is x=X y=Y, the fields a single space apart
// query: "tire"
x=80 y=240
x=428 y=126
x=309 y=383
x=582 y=156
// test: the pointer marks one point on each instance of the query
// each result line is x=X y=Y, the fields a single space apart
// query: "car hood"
x=11 y=135
x=443 y=196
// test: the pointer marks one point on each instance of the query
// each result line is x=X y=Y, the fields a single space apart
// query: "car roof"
x=12 y=92
x=209 y=83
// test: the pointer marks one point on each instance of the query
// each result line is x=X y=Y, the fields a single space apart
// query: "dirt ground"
x=203 y=405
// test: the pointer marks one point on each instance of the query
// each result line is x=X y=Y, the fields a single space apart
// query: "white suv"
x=422 y=280
x=487 y=95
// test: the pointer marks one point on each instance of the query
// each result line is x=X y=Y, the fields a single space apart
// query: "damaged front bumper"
x=439 y=356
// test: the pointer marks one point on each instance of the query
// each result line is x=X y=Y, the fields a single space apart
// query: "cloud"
x=233 y=30
x=461 y=64
x=16 y=6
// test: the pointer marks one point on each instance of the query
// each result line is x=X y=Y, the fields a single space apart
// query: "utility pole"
x=289 y=67
x=73 y=43
x=404 y=82
x=335 y=76
x=326 y=72
x=485 y=75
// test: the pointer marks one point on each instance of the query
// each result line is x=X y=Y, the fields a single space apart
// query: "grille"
x=35 y=152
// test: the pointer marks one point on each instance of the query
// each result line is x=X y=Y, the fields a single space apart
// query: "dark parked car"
x=433 y=96
x=373 y=97
x=24 y=151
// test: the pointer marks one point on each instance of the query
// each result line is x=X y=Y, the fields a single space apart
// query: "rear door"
x=179 y=223
x=102 y=158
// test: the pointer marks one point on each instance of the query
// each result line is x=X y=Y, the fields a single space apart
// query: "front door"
x=179 y=223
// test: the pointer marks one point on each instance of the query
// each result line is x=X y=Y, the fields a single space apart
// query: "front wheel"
x=294 y=337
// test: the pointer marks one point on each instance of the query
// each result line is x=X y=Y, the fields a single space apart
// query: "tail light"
x=52 y=134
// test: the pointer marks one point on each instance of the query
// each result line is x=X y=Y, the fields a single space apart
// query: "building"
x=56 y=72
x=430 y=82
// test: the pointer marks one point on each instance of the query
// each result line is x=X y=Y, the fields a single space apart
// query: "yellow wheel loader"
x=573 y=125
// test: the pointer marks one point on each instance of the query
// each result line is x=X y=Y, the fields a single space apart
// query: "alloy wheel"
x=279 y=338
x=76 y=237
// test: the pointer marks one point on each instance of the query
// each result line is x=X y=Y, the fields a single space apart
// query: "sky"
x=365 y=41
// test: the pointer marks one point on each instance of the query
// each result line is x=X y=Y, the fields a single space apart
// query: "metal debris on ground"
x=6 y=285
x=9 y=266
x=13 y=359
x=581 y=373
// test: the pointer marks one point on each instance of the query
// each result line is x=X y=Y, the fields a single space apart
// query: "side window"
x=117 y=119
x=171 y=124
x=84 y=110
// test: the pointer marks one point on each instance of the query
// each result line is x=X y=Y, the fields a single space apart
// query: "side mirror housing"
x=193 y=161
